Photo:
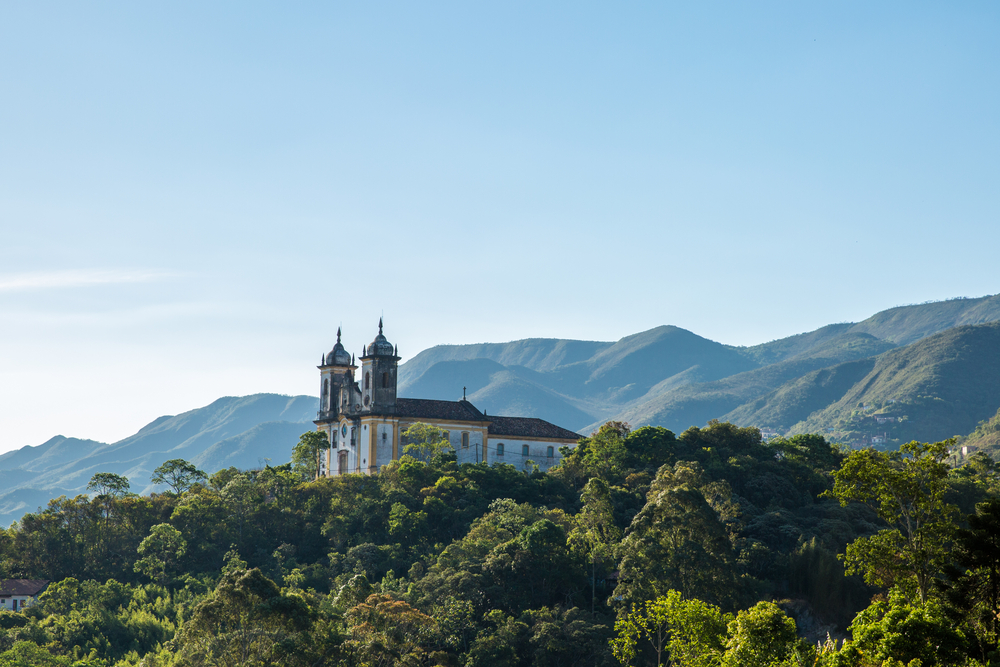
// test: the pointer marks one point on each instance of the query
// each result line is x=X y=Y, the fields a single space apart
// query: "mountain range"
x=924 y=372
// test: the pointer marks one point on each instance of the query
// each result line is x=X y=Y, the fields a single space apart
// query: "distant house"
x=16 y=594
x=883 y=420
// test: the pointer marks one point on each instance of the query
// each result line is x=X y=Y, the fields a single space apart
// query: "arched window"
x=385 y=380
x=524 y=450
x=551 y=451
x=342 y=462
x=368 y=380
x=500 y=449
x=465 y=441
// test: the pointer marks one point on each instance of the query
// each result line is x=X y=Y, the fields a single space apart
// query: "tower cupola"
x=378 y=375
x=338 y=356
x=380 y=347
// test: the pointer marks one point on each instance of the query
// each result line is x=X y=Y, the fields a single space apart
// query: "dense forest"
x=641 y=548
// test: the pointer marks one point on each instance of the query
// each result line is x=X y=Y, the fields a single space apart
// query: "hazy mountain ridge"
x=671 y=377
x=237 y=431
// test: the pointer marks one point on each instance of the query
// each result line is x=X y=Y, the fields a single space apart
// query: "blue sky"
x=193 y=196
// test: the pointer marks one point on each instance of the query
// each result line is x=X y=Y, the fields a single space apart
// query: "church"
x=364 y=420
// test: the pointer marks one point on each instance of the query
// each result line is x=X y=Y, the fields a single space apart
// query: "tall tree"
x=306 y=453
x=596 y=531
x=109 y=487
x=687 y=633
x=159 y=552
x=676 y=541
x=247 y=622
x=906 y=488
x=975 y=575
x=762 y=636
x=178 y=474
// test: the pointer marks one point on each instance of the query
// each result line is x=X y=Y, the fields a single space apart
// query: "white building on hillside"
x=363 y=419
x=16 y=594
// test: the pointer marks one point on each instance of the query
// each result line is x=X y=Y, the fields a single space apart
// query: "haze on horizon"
x=193 y=197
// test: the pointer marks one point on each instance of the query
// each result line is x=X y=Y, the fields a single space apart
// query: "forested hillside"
x=938 y=387
x=720 y=544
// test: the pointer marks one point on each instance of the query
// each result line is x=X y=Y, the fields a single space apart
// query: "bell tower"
x=378 y=376
x=336 y=378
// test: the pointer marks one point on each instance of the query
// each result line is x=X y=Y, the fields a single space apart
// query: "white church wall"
x=513 y=452
x=467 y=450
x=383 y=446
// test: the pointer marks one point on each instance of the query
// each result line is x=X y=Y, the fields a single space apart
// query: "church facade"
x=364 y=420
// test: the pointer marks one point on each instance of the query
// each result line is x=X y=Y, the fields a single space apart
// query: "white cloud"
x=36 y=280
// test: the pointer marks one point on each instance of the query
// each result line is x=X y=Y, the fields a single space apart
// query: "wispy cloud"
x=38 y=280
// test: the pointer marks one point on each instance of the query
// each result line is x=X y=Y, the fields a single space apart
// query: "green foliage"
x=178 y=474
x=108 y=484
x=432 y=562
x=306 y=453
x=247 y=622
x=687 y=633
x=160 y=552
x=974 y=586
x=759 y=637
x=425 y=442
x=677 y=541
x=907 y=490
x=896 y=629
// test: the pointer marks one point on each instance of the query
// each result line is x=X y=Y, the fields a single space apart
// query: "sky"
x=194 y=196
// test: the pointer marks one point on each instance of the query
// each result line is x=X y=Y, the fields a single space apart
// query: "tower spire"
x=338 y=334
x=380 y=325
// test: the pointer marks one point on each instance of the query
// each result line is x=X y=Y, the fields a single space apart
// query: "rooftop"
x=527 y=427
x=32 y=587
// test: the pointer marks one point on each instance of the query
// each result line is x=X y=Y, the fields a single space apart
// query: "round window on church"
x=367 y=399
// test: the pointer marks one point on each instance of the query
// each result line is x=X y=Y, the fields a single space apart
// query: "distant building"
x=16 y=594
x=364 y=420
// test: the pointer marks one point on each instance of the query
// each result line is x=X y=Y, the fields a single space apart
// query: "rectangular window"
x=551 y=451
x=465 y=441
x=500 y=449
x=524 y=450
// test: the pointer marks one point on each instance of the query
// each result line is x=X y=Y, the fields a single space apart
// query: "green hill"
x=670 y=377
x=986 y=437
x=575 y=393
x=906 y=324
x=930 y=390
x=695 y=404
